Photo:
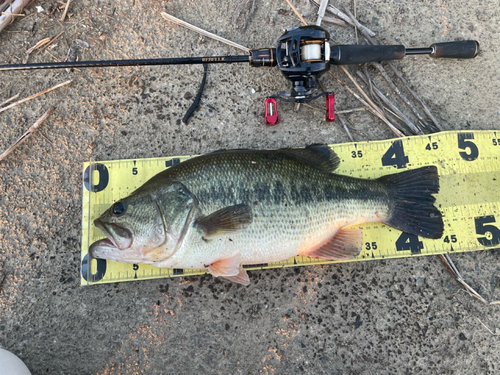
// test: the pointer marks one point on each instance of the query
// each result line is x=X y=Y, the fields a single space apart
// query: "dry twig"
x=334 y=21
x=240 y=8
x=35 y=95
x=415 y=95
x=297 y=12
x=391 y=83
x=63 y=17
x=346 y=72
x=345 y=17
x=377 y=112
x=180 y=22
x=489 y=330
x=27 y=134
x=321 y=11
x=355 y=17
x=346 y=128
x=5 y=5
x=415 y=129
x=9 y=100
x=345 y=111
x=448 y=263
x=372 y=41
x=38 y=45
x=52 y=41
x=13 y=9
x=360 y=27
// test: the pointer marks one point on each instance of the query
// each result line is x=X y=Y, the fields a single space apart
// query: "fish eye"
x=119 y=208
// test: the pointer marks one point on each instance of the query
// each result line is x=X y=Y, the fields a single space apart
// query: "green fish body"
x=231 y=208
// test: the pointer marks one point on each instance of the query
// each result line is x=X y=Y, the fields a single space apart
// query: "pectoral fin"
x=226 y=220
x=346 y=244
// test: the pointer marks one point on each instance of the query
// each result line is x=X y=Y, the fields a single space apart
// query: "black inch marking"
x=490 y=232
x=86 y=269
x=103 y=177
x=465 y=143
x=172 y=162
x=407 y=241
x=395 y=155
x=178 y=271
x=135 y=267
x=259 y=265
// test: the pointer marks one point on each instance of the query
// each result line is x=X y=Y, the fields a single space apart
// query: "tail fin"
x=412 y=203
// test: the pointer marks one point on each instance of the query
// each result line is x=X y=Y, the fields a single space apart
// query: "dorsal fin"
x=318 y=155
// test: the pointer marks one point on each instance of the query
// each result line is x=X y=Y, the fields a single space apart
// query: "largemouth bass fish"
x=231 y=208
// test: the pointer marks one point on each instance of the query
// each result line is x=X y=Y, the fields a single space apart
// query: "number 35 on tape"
x=469 y=198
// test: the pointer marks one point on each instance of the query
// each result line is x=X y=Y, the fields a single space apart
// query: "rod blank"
x=136 y=62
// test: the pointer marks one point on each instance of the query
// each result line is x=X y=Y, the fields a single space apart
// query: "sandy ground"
x=403 y=316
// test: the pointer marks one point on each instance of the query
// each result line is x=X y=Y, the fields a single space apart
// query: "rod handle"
x=465 y=49
x=359 y=54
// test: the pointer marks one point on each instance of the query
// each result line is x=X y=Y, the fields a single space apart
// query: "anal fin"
x=346 y=244
x=241 y=278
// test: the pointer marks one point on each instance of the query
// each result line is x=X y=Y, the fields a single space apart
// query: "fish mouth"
x=118 y=236
x=101 y=248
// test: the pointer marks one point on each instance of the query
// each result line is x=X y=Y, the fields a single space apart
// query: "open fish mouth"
x=117 y=236
x=102 y=248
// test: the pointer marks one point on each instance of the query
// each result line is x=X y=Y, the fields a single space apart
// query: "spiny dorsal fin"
x=318 y=155
x=226 y=220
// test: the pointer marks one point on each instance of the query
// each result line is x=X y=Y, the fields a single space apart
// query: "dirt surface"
x=401 y=316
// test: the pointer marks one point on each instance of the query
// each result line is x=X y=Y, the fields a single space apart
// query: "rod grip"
x=359 y=54
x=466 y=49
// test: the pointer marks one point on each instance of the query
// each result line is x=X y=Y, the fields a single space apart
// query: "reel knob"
x=330 y=107
x=271 y=117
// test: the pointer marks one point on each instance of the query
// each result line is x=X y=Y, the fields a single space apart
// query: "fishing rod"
x=302 y=54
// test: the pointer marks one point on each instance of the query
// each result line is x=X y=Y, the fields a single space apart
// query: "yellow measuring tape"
x=468 y=164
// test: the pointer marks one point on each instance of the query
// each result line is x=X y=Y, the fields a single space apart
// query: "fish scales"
x=290 y=199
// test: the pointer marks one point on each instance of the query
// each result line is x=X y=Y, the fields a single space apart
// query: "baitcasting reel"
x=302 y=54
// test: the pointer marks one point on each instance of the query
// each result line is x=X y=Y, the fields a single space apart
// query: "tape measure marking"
x=468 y=164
